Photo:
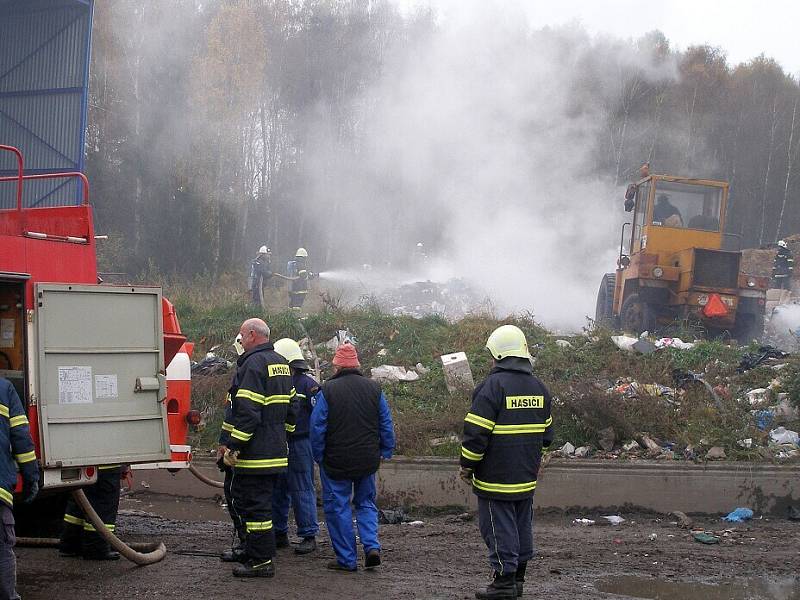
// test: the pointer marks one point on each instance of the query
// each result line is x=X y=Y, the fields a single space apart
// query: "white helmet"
x=263 y=250
x=301 y=253
x=419 y=244
x=783 y=244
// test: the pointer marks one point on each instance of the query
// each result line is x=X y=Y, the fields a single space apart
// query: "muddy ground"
x=442 y=559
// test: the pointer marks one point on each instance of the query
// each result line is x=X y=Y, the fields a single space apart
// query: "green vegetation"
x=579 y=377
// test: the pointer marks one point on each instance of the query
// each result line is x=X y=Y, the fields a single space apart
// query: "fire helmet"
x=290 y=350
x=783 y=244
x=301 y=253
x=508 y=340
x=263 y=250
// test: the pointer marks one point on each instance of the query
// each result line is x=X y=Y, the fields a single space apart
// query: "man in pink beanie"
x=351 y=430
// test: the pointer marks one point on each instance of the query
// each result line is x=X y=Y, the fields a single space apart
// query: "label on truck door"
x=94 y=346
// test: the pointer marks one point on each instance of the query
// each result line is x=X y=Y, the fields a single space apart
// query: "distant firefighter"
x=299 y=275
x=644 y=170
x=260 y=273
x=782 y=267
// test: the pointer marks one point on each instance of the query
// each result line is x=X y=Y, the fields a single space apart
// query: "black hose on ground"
x=207 y=480
x=139 y=558
x=33 y=542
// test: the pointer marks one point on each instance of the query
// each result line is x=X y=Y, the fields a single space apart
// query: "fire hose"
x=205 y=479
x=141 y=554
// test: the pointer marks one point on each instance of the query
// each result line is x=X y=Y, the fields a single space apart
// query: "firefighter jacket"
x=227 y=427
x=261 y=411
x=306 y=389
x=16 y=445
x=505 y=430
x=783 y=265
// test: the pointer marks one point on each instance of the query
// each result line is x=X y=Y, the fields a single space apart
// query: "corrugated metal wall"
x=44 y=68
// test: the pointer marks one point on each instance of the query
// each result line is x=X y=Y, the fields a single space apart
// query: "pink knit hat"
x=346 y=357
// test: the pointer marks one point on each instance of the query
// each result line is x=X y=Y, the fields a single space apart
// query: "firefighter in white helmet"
x=505 y=430
x=299 y=276
x=260 y=273
x=783 y=267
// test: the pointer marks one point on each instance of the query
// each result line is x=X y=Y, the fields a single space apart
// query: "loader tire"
x=604 y=311
x=637 y=316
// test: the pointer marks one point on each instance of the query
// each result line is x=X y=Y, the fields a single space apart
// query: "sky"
x=743 y=28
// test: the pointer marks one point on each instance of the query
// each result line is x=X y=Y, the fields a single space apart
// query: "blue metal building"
x=44 y=76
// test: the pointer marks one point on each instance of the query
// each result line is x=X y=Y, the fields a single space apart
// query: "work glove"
x=466 y=474
x=230 y=458
x=220 y=457
x=30 y=487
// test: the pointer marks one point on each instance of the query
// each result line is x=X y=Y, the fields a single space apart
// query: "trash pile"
x=452 y=300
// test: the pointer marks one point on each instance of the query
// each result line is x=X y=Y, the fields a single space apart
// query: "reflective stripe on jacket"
x=261 y=411
x=505 y=429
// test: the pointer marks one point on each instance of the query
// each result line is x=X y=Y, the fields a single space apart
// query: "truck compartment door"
x=98 y=363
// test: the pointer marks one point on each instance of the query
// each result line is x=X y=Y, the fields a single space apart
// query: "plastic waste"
x=739 y=515
x=614 y=519
x=706 y=538
x=781 y=435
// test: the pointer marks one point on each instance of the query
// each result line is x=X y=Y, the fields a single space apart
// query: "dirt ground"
x=442 y=559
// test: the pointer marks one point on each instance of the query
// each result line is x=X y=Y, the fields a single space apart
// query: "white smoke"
x=480 y=143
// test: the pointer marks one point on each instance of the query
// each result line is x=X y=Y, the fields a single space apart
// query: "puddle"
x=756 y=588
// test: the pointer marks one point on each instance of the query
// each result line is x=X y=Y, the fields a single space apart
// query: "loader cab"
x=675 y=213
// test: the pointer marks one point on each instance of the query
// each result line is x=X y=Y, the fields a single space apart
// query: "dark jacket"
x=351 y=426
x=227 y=426
x=16 y=445
x=783 y=265
x=306 y=389
x=504 y=432
x=261 y=411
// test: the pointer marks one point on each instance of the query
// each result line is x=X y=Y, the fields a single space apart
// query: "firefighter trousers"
x=251 y=499
x=8 y=561
x=79 y=535
x=336 y=498
x=238 y=526
x=295 y=488
x=507 y=530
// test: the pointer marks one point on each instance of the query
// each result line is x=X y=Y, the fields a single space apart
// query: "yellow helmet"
x=508 y=340
x=290 y=350
x=301 y=253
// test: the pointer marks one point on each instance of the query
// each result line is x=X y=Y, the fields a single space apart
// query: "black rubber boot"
x=282 y=540
x=520 y=577
x=235 y=554
x=252 y=568
x=307 y=546
x=372 y=559
x=504 y=587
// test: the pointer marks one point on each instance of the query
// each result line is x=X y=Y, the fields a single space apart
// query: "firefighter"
x=783 y=267
x=16 y=454
x=256 y=450
x=505 y=430
x=79 y=537
x=260 y=273
x=665 y=213
x=236 y=552
x=296 y=487
x=351 y=430
x=299 y=274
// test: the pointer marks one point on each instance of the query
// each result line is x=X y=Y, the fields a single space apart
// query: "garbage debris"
x=585 y=522
x=453 y=299
x=781 y=435
x=746 y=443
x=450 y=439
x=758 y=395
x=676 y=343
x=684 y=378
x=752 y=360
x=211 y=364
x=563 y=344
x=763 y=418
x=393 y=516
x=739 y=515
x=630 y=446
x=716 y=453
x=391 y=373
x=414 y=523
x=652 y=537
x=624 y=342
x=422 y=370
x=457 y=373
x=705 y=538
x=342 y=337
x=650 y=444
x=683 y=520
x=567 y=449
x=644 y=346
x=614 y=519
x=582 y=452
x=606 y=438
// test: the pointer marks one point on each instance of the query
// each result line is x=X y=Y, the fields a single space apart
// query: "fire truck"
x=103 y=370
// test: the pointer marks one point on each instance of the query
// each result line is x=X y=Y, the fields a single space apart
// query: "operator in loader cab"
x=665 y=213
